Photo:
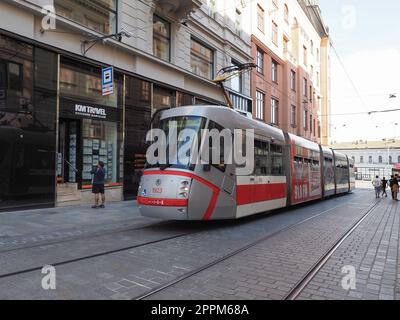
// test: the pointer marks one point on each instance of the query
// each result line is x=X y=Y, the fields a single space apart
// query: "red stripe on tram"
x=216 y=191
x=247 y=194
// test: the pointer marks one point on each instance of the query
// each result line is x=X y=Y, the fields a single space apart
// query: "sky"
x=366 y=36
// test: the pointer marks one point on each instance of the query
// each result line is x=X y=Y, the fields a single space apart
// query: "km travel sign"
x=107 y=81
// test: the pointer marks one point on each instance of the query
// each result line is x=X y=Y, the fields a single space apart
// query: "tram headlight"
x=184 y=188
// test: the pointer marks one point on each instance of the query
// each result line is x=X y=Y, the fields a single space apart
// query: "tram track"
x=295 y=292
x=172 y=237
x=252 y=244
x=86 y=236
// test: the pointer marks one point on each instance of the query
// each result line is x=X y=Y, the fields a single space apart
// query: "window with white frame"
x=293 y=80
x=274 y=71
x=274 y=34
x=274 y=111
x=260 y=61
x=260 y=18
x=260 y=102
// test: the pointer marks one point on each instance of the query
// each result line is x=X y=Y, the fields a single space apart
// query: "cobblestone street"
x=118 y=254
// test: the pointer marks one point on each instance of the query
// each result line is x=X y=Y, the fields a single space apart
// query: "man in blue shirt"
x=99 y=174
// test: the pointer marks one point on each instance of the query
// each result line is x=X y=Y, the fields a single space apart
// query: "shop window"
x=161 y=38
x=101 y=143
x=98 y=15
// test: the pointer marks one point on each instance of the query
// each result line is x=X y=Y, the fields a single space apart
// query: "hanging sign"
x=107 y=81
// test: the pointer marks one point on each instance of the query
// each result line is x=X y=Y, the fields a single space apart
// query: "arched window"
x=295 y=23
x=380 y=159
x=286 y=13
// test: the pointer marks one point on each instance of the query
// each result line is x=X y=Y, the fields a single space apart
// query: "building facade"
x=372 y=158
x=290 y=86
x=55 y=123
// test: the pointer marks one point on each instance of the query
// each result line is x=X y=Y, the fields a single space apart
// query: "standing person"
x=384 y=186
x=391 y=185
x=395 y=187
x=377 y=183
x=99 y=174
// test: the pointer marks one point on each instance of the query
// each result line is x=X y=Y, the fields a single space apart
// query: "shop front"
x=89 y=131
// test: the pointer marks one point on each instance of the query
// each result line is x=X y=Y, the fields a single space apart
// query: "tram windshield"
x=174 y=132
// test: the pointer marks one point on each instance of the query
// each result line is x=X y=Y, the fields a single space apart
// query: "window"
x=305 y=120
x=285 y=44
x=312 y=47
x=354 y=158
x=212 y=8
x=311 y=124
x=260 y=102
x=105 y=136
x=293 y=116
x=370 y=159
x=305 y=87
x=318 y=80
x=286 y=13
x=274 y=71
x=161 y=38
x=361 y=159
x=221 y=165
x=201 y=59
x=318 y=55
x=260 y=61
x=260 y=18
x=276 y=152
x=274 y=111
x=315 y=128
x=236 y=82
x=238 y=22
x=312 y=72
x=261 y=150
x=380 y=159
x=11 y=76
x=100 y=16
x=305 y=55
x=293 y=80
x=398 y=159
x=390 y=160
x=311 y=94
x=274 y=35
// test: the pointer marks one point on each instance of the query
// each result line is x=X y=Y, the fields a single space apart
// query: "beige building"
x=165 y=54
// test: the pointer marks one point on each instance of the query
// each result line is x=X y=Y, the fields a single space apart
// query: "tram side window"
x=260 y=158
x=276 y=160
x=298 y=167
x=221 y=166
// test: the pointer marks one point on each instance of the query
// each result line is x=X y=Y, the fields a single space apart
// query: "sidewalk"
x=20 y=227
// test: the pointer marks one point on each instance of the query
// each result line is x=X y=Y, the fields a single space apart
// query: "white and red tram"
x=288 y=170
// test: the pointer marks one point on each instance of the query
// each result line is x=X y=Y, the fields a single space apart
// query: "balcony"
x=180 y=9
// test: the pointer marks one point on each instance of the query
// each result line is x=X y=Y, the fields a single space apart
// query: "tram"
x=288 y=170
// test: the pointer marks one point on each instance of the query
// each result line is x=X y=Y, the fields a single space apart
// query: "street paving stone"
x=373 y=250
x=267 y=271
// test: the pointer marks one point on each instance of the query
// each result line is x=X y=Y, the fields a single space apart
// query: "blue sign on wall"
x=107 y=81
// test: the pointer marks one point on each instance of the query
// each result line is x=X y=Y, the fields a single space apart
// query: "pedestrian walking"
x=395 y=187
x=391 y=181
x=99 y=174
x=384 y=186
x=377 y=183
